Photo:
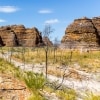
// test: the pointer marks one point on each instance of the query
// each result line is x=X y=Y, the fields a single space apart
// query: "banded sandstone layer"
x=83 y=32
x=18 y=35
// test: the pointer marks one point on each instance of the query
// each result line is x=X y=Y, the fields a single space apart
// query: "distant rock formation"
x=83 y=32
x=47 y=41
x=18 y=35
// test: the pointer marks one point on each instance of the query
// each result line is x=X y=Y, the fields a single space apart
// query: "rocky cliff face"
x=18 y=35
x=83 y=31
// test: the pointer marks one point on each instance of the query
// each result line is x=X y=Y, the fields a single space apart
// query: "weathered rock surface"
x=18 y=35
x=83 y=32
x=47 y=41
x=12 y=89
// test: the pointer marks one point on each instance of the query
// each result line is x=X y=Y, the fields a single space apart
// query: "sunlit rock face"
x=18 y=35
x=83 y=32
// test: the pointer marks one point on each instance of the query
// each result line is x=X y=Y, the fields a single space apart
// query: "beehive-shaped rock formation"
x=84 y=32
x=18 y=35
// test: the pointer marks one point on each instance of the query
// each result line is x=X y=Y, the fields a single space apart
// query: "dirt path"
x=89 y=84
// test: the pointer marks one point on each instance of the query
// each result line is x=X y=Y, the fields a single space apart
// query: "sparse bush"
x=36 y=96
x=67 y=94
x=34 y=80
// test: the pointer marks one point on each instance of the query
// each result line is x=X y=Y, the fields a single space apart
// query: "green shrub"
x=34 y=81
x=68 y=94
x=36 y=96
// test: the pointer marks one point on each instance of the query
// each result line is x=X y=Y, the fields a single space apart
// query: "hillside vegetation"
x=27 y=85
x=36 y=85
x=88 y=61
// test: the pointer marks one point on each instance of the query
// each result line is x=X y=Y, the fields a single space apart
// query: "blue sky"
x=36 y=13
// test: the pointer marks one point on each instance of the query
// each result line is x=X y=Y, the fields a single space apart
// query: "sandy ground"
x=89 y=84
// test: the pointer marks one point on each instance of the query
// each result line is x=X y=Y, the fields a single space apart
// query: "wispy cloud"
x=45 y=11
x=51 y=21
x=8 y=9
x=2 y=20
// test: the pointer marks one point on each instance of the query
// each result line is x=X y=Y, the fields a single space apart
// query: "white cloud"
x=2 y=20
x=45 y=11
x=8 y=9
x=52 y=21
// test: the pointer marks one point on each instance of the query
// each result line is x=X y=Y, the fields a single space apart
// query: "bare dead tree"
x=56 y=44
x=12 y=45
x=71 y=46
x=11 y=53
x=46 y=33
x=22 y=44
x=23 y=56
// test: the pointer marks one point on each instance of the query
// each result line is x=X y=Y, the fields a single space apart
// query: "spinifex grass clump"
x=34 y=80
x=63 y=93
x=7 y=68
x=91 y=96
x=67 y=94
